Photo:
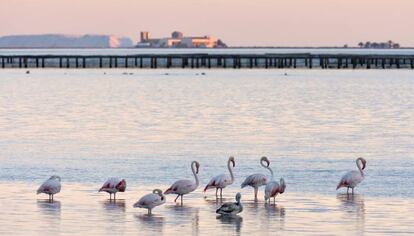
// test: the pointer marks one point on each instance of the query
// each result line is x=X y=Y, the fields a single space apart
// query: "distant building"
x=177 y=40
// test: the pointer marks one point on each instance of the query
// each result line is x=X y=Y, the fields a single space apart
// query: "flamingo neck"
x=195 y=174
x=271 y=173
x=358 y=161
x=230 y=170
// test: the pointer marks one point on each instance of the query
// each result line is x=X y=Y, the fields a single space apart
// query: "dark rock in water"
x=203 y=73
x=28 y=72
x=285 y=74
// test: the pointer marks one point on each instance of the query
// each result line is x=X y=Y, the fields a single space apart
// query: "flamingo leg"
x=352 y=191
x=216 y=192
x=176 y=198
x=52 y=197
x=274 y=200
x=181 y=200
x=255 y=193
x=149 y=211
x=347 y=190
x=110 y=196
x=114 y=196
x=221 y=193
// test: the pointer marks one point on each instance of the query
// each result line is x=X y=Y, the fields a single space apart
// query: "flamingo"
x=273 y=188
x=112 y=186
x=223 y=180
x=151 y=200
x=231 y=208
x=354 y=177
x=51 y=187
x=182 y=187
x=257 y=180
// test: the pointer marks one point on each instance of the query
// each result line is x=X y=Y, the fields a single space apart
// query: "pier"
x=207 y=60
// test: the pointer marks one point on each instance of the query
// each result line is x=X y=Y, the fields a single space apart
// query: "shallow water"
x=147 y=125
x=79 y=209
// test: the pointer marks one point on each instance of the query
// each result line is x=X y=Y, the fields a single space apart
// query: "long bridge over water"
x=212 y=60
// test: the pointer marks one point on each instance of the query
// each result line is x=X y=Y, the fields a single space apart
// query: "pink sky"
x=253 y=22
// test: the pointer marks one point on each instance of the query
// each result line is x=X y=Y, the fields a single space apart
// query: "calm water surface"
x=147 y=125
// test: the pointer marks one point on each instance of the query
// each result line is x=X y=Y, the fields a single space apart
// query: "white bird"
x=223 y=180
x=273 y=188
x=112 y=186
x=51 y=187
x=151 y=200
x=354 y=177
x=257 y=180
x=231 y=208
x=182 y=187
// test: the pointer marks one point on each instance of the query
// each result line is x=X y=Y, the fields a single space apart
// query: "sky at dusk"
x=238 y=23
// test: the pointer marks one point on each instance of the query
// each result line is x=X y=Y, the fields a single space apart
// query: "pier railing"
x=192 y=60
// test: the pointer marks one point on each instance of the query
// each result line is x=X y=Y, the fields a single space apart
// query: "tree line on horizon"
x=381 y=45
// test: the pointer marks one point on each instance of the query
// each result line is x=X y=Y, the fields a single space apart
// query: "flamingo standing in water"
x=223 y=180
x=257 y=180
x=112 y=186
x=151 y=200
x=273 y=188
x=354 y=177
x=182 y=187
x=51 y=187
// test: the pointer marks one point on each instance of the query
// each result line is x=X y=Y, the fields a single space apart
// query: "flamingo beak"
x=364 y=163
x=234 y=163
x=268 y=163
x=198 y=167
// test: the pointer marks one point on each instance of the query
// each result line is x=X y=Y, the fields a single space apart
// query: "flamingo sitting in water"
x=182 y=187
x=231 y=208
x=273 y=188
x=112 y=186
x=354 y=177
x=223 y=180
x=257 y=180
x=151 y=200
x=51 y=187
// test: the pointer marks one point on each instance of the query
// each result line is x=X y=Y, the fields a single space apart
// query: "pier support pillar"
x=3 y=64
x=412 y=63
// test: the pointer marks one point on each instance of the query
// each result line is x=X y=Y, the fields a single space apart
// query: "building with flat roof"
x=178 y=40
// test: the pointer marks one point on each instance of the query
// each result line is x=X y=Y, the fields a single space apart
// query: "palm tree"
x=360 y=44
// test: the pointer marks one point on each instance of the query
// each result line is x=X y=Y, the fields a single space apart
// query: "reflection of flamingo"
x=112 y=186
x=354 y=177
x=182 y=187
x=231 y=208
x=257 y=180
x=51 y=187
x=223 y=180
x=151 y=200
x=273 y=188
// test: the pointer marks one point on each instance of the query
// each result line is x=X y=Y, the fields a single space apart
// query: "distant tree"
x=361 y=44
x=396 y=45
x=345 y=45
x=368 y=44
x=374 y=45
x=390 y=43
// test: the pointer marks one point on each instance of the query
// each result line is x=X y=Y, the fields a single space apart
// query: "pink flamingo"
x=354 y=177
x=151 y=200
x=51 y=187
x=182 y=187
x=273 y=188
x=112 y=186
x=257 y=180
x=223 y=180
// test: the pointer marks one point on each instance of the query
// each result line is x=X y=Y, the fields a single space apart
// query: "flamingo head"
x=282 y=185
x=231 y=159
x=55 y=177
x=157 y=191
x=238 y=197
x=264 y=159
x=121 y=186
x=197 y=165
x=364 y=162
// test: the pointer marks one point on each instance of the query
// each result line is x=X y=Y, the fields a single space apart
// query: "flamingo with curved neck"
x=182 y=187
x=257 y=180
x=352 y=178
x=223 y=180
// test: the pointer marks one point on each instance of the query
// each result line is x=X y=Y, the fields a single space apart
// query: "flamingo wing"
x=254 y=180
x=50 y=186
x=181 y=187
x=350 y=179
x=219 y=181
x=272 y=189
x=149 y=201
